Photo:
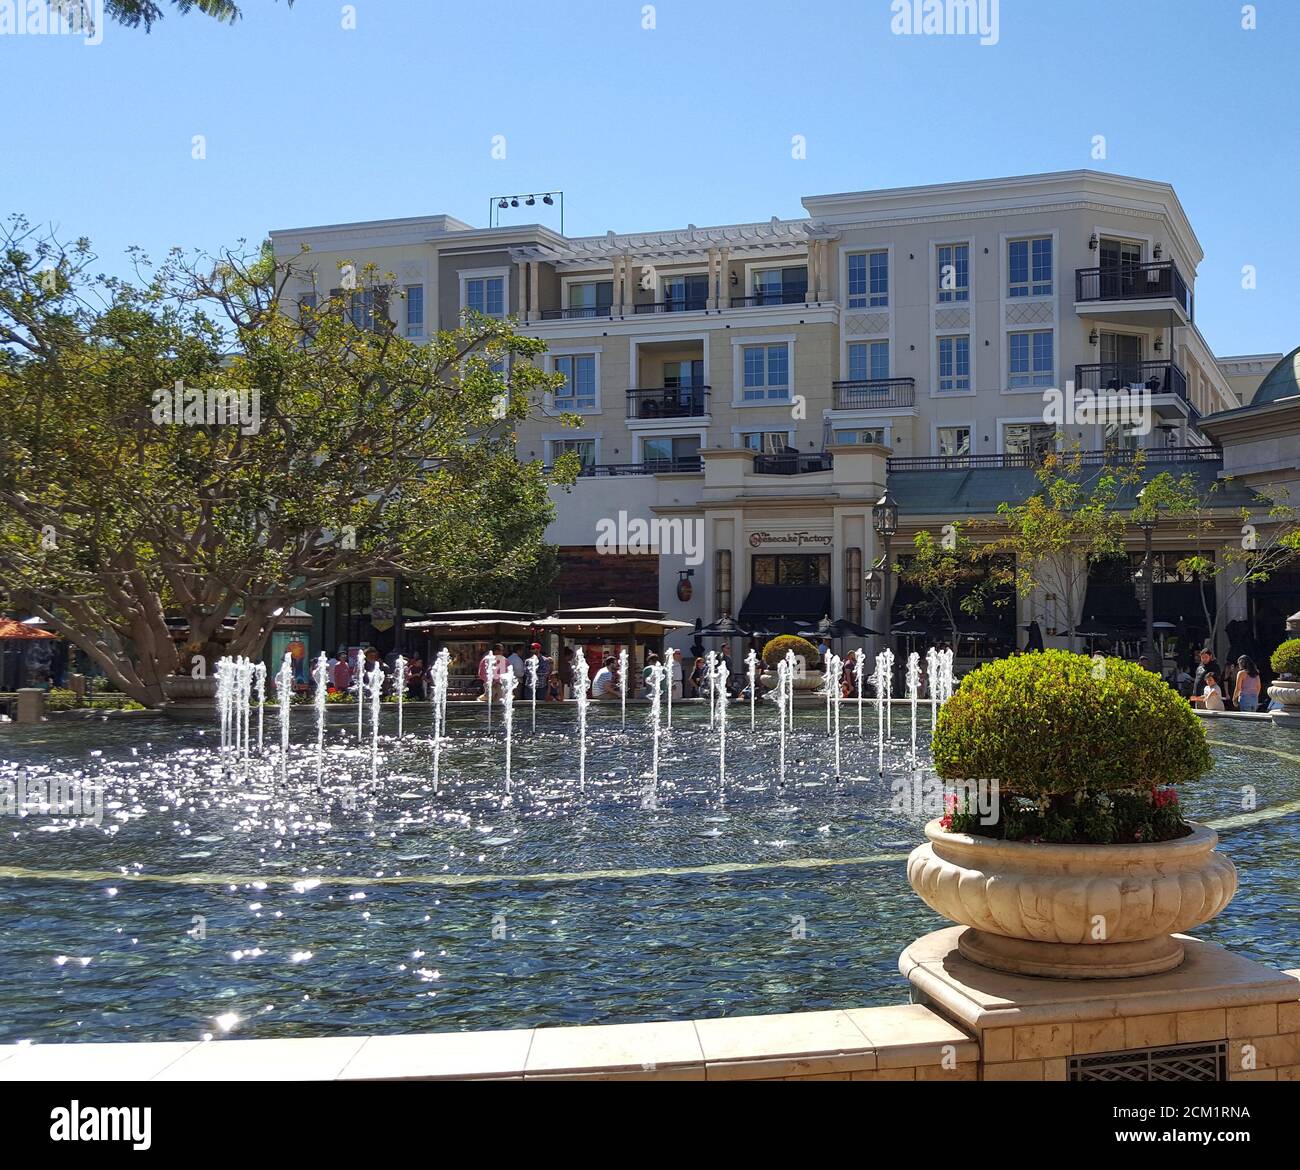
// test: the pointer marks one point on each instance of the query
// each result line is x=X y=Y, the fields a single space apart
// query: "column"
x=522 y=286
x=724 y=278
x=715 y=281
x=534 y=305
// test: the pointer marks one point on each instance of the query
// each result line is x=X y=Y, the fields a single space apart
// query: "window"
x=683 y=374
x=791 y=569
x=486 y=295
x=863 y=435
x=765 y=442
x=307 y=315
x=869 y=361
x=685 y=293
x=666 y=452
x=766 y=372
x=722 y=582
x=414 y=309
x=954 y=364
x=853 y=584
x=1028 y=439
x=954 y=272
x=591 y=298
x=1029 y=267
x=953 y=440
x=781 y=286
x=869 y=280
x=584 y=449
x=365 y=308
x=579 y=389
x=1029 y=359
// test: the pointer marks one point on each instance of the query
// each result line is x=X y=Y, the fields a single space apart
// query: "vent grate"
x=1186 y=1062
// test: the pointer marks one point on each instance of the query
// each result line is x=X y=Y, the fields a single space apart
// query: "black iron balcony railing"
x=1119 y=377
x=679 y=463
x=785 y=296
x=668 y=402
x=578 y=312
x=875 y=394
x=1133 y=282
x=1112 y=458
x=792 y=464
x=673 y=305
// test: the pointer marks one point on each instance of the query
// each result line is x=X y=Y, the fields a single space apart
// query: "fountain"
x=834 y=693
x=913 y=689
x=859 y=675
x=878 y=679
x=650 y=799
x=489 y=679
x=718 y=700
x=508 y=684
x=887 y=675
x=581 y=678
x=932 y=677
x=622 y=682
x=359 y=681
x=320 y=676
x=259 y=681
x=284 y=700
x=441 y=665
x=376 y=694
x=784 y=686
x=710 y=672
x=532 y=664
x=751 y=666
x=399 y=685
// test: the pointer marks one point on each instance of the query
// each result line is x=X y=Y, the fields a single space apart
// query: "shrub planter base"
x=1070 y=960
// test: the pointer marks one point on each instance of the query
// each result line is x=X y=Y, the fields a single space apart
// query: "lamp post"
x=1144 y=581
x=871 y=588
x=884 y=518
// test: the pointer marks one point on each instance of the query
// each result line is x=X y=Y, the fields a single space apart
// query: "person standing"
x=566 y=673
x=516 y=660
x=1245 y=687
x=500 y=670
x=544 y=668
x=1208 y=665
x=677 y=677
x=342 y=677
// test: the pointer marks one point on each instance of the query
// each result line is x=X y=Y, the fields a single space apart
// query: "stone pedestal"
x=1036 y=1029
x=31 y=705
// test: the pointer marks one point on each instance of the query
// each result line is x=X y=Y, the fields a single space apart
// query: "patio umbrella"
x=19 y=632
x=1035 y=639
x=843 y=628
x=724 y=627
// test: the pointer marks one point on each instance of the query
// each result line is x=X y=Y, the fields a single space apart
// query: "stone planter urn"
x=810 y=681
x=1072 y=911
x=187 y=696
x=1286 y=690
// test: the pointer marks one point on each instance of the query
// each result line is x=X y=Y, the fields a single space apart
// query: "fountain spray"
x=532 y=665
x=441 y=665
x=831 y=689
x=789 y=690
x=657 y=673
x=859 y=675
x=376 y=697
x=913 y=688
x=399 y=683
x=719 y=688
x=487 y=682
x=259 y=681
x=783 y=685
x=284 y=697
x=887 y=656
x=751 y=665
x=932 y=674
x=359 y=677
x=581 y=676
x=710 y=672
x=508 y=706
x=622 y=681
x=320 y=676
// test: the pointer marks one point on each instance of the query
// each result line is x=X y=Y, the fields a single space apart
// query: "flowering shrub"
x=1286 y=658
x=1080 y=753
x=774 y=651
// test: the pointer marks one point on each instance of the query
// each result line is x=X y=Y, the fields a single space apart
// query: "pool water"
x=236 y=901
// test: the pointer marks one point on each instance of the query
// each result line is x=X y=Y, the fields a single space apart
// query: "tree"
x=1064 y=528
x=1229 y=543
x=134 y=13
x=955 y=575
x=193 y=447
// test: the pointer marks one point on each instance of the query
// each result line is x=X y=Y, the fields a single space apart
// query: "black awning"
x=1114 y=606
x=773 y=603
x=1180 y=602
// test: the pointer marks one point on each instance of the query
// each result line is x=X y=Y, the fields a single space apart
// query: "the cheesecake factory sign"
x=794 y=539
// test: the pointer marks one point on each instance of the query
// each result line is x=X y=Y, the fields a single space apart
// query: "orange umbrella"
x=16 y=630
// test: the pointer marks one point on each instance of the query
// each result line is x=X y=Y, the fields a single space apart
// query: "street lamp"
x=884 y=518
x=871 y=588
x=1144 y=579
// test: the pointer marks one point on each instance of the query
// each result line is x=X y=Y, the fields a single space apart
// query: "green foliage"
x=1286 y=658
x=65 y=699
x=1053 y=724
x=956 y=575
x=774 y=651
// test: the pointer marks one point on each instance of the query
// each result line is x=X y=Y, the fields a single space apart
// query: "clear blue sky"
x=308 y=123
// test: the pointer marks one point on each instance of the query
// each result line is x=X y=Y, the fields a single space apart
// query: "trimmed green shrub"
x=1082 y=750
x=774 y=651
x=1286 y=658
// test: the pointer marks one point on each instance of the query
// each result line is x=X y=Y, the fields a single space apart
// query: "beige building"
x=753 y=389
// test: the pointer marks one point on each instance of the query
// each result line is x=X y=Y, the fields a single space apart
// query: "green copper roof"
x=980 y=490
x=1283 y=381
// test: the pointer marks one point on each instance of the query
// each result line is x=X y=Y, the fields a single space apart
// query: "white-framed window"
x=781 y=286
x=581 y=388
x=1029 y=267
x=954 y=363
x=1028 y=438
x=686 y=293
x=414 y=310
x=669 y=452
x=484 y=292
x=868 y=361
x=591 y=298
x=765 y=372
x=765 y=442
x=863 y=435
x=868 y=274
x=954 y=440
x=585 y=449
x=365 y=307
x=1030 y=362
x=953 y=272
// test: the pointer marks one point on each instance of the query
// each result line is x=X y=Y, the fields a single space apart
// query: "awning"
x=782 y=603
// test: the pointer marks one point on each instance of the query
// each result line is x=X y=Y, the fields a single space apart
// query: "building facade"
x=746 y=393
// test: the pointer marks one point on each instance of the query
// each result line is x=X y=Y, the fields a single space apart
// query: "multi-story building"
x=762 y=385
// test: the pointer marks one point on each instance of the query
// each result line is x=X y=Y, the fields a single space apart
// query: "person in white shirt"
x=516 y=664
x=676 y=678
x=1211 y=696
x=604 y=686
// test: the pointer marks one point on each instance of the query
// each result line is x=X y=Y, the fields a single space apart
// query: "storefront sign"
x=383 y=607
x=801 y=539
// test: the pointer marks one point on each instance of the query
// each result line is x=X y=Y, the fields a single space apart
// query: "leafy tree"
x=1241 y=546
x=955 y=575
x=315 y=446
x=134 y=13
x=1064 y=528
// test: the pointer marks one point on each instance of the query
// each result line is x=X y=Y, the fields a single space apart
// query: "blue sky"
x=306 y=122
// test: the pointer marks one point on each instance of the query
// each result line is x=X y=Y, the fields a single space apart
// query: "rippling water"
x=227 y=901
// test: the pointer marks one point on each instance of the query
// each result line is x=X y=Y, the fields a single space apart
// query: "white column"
x=724 y=278
x=534 y=305
x=715 y=281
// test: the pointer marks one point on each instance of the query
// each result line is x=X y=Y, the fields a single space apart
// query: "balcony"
x=668 y=402
x=761 y=300
x=1113 y=458
x=680 y=464
x=579 y=313
x=792 y=463
x=875 y=394
x=674 y=305
x=1143 y=294
x=1118 y=378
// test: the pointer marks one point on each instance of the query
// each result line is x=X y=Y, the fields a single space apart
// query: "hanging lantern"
x=685 y=590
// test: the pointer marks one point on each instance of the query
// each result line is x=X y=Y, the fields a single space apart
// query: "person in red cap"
x=544 y=667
